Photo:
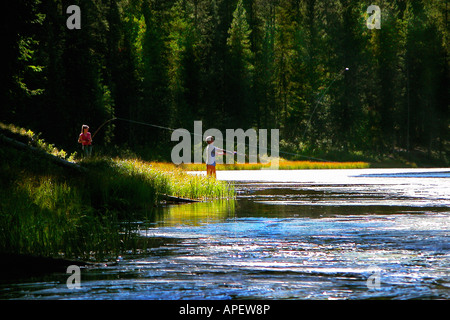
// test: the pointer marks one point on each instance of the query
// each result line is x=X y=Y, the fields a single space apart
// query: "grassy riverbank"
x=79 y=209
x=52 y=210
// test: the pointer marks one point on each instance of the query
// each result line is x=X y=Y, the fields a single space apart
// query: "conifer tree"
x=240 y=71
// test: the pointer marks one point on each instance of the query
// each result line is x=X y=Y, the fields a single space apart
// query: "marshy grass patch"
x=282 y=165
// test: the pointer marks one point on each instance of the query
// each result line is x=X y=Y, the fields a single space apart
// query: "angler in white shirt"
x=211 y=152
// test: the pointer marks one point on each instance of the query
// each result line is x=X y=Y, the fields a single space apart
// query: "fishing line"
x=196 y=134
x=320 y=100
x=170 y=129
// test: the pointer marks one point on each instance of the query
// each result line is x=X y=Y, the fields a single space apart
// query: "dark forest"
x=232 y=64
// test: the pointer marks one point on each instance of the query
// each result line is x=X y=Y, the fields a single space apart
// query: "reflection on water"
x=283 y=241
x=196 y=213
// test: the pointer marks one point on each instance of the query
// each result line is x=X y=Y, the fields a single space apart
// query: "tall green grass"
x=132 y=184
x=172 y=180
x=47 y=217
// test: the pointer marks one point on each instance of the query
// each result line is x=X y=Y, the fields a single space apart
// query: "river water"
x=306 y=234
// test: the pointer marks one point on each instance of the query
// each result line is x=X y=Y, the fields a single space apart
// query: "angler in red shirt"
x=85 y=140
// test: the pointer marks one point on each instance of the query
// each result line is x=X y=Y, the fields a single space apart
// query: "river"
x=300 y=234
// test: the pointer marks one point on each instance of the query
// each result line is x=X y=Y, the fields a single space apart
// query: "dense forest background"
x=232 y=64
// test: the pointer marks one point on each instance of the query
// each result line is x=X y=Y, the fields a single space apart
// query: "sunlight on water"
x=285 y=240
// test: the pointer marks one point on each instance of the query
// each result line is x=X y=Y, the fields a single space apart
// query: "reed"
x=43 y=216
x=172 y=180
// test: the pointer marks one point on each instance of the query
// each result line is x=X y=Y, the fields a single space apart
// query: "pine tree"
x=184 y=74
x=154 y=104
x=240 y=73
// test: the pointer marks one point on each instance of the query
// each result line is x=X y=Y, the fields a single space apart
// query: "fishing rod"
x=320 y=100
x=96 y=131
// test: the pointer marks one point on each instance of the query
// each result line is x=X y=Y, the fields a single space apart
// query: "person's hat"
x=209 y=138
